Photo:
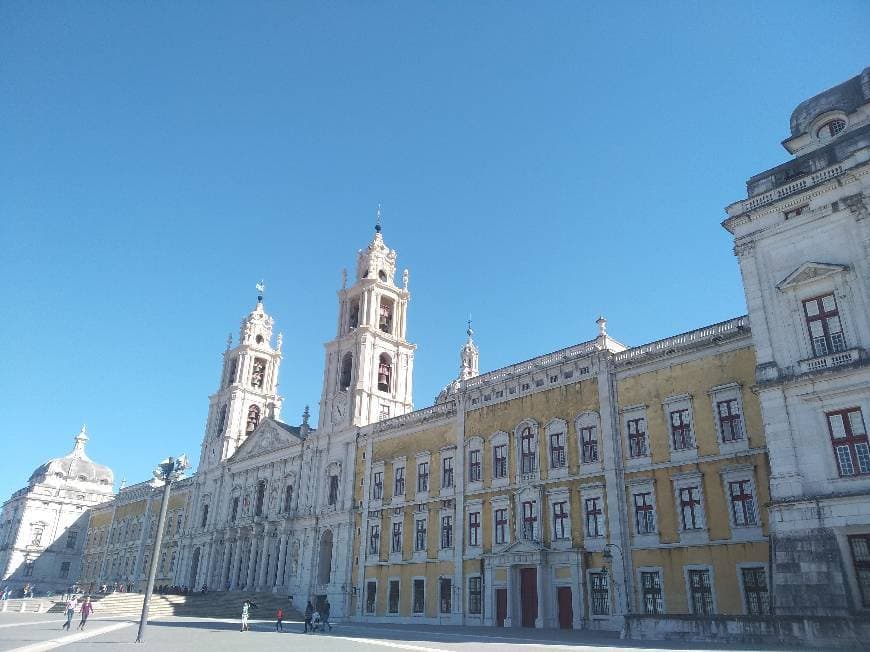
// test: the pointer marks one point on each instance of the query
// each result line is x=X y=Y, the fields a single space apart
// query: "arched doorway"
x=324 y=568
x=194 y=569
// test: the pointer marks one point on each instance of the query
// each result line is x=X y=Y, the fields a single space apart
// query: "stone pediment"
x=269 y=436
x=809 y=272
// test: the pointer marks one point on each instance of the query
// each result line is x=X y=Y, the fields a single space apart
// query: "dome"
x=76 y=466
x=845 y=97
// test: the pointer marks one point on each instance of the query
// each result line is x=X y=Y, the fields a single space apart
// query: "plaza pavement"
x=42 y=633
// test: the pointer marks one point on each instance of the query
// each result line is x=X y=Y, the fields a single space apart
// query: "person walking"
x=246 y=610
x=86 y=610
x=309 y=611
x=324 y=614
x=70 y=610
x=279 y=623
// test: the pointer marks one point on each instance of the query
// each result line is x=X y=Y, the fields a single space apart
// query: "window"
x=474 y=466
x=423 y=477
x=385 y=412
x=644 y=513
x=332 y=498
x=700 y=592
x=561 y=527
x=253 y=418
x=258 y=373
x=589 y=445
x=651 y=587
x=742 y=503
x=377 y=485
x=637 y=446
x=374 y=539
x=222 y=420
x=172 y=561
x=528 y=462
x=600 y=598
x=830 y=129
x=71 y=539
x=346 y=371
x=730 y=426
x=353 y=316
x=446 y=531
x=385 y=372
x=385 y=315
x=260 y=499
x=445 y=585
x=446 y=472
x=393 y=607
x=849 y=438
x=371 y=596
x=64 y=569
x=499 y=461
x=204 y=518
x=530 y=521
x=755 y=591
x=557 y=450
x=501 y=525
x=396 y=546
x=823 y=324
x=234 y=512
x=419 y=596
x=860 y=545
x=681 y=430
x=231 y=376
x=691 y=514
x=399 y=481
x=474 y=595
x=594 y=516
x=420 y=534
x=474 y=528
x=288 y=497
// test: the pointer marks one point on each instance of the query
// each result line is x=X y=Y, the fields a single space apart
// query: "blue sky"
x=539 y=164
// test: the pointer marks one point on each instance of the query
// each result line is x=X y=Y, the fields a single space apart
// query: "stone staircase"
x=217 y=604
x=28 y=605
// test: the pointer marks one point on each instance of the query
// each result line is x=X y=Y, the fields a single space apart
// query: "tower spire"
x=261 y=290
x=469 y=357
x=80 y=440
x=378 y=221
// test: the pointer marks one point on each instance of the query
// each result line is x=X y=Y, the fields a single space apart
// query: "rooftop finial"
x=602 y=326
x=378 y=222
x=305 y=416
x=261 y=289
x=80 y=440
x=468 y=331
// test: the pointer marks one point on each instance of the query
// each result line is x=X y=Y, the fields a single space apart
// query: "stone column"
x=252 y=562
x=539 y=587
x=488 y=602
x=577 y=592
x=509 y=616
x=234 y=567
x=265 y=560
x=279 y=567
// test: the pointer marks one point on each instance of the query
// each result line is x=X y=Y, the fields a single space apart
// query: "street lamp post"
x=165 y=474
x=609 y=556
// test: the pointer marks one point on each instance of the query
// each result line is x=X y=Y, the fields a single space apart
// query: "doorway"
x=529 y=595
x=500 y=607
x=566 y=610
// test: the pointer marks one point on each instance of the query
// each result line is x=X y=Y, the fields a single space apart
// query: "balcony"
x=830 y=361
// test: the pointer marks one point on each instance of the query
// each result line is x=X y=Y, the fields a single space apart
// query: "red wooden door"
x=529 y=595
x=500 y=606
x=566 y=610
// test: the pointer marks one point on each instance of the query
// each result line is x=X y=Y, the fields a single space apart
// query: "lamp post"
x=168 y=471
x=608 y=556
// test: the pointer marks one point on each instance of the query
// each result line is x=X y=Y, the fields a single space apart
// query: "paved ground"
x=42 y=632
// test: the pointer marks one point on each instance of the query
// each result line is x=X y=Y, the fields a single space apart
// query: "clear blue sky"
x=539 y=164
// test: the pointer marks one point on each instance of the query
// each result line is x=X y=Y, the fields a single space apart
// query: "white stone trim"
x=680 y=402
x=729 y=391
x=688 y=585
x=650 y=569
x=699 y=535
x=733 y=474
x=739 y=570
x=556 y=425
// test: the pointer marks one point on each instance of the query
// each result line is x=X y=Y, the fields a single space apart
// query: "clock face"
x=339 y=409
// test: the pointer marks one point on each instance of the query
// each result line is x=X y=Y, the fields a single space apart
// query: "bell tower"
x=248 y=389
x=369 y=365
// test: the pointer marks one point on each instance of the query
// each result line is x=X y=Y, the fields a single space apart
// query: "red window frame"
x=499 y=461
x=637 y=437
x=474 y=528
x=593 y=513
x=423 y=476
x=420 y=534
x=755 y=590
x=560 y=520
x=644 y=513
x=501 y=522
x=824 y=326
x=681 y=429
x=701 y=592
x=851 y=447
x=859 y=544
x=378 y=485
x=527 y=451
x=446 y=531
x=730 y=423
x=399 y=481
x=374 y=539
x=742 y=503
x=557 y=449
x=530 y=521
x=474 y=466
x=690 y=499
x=589 y=448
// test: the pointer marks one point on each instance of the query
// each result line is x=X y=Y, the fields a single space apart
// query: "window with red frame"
x=530 y=521
x=589 y=441
x=528 y=461
x=475 y=473
x=730 y=424
x=557 y=450
x=860 y=545
x=637 y=437
x=501 y=525
x=849 y=438
x=499 y=461
x=823 y=324
x=644 y=513
x=690 y=508
x=681 y=430
x=560 y=520
x=594 y=517
x=474 y=528
x=742 y=503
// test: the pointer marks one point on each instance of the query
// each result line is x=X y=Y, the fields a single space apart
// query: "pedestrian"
x=86 y=610
x=279 y=623
x=70 y=612
x=246 y=609
x=309 y=610
x=324 y=614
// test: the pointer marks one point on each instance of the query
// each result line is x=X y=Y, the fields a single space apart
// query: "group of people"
x=165 y=589
x=26 y=592
x=86 y=609
x=315 y=619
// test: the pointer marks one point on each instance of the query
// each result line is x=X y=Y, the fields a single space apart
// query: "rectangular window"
x=447 y=472
x=557 y=450
x=474 y=595
x=860 y=545
x=423 y=477
x=445 y=589
x=637 y=437
x=288 y=498
x=600 y=594
x=446 y=531
x=681 y=430
x=690 y=508
x=371 y=596
x=742 y=503
x=233 y=514
x=653 y=600
x=474 y=528
x=644 y=513
x=64 y=569
x=419 y=596
x=501 y=526
x=397 y=538
x=385 y=412
x=849 y=438
x=823 y=324
x=561 y=527
x=474 y=466
x=420 y=535
x=393 y=607
x=377 y=485
x=594 y=517
x=730 y=425
x=71 y=538
x=374 y=539
x=589 y=445
x=755 y=591
x=701 y=592
x=333 y=489
x=528 y=459
x=399 y=481
x=530 y=521
x=499 y=461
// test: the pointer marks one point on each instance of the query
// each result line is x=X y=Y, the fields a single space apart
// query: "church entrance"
x=194 y=569
x=500 y=606
x=529 y=596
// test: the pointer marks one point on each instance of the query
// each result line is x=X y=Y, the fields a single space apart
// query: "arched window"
x=528 y=452
x=222 y=421
x=324 y=567
x=253 y=418
x=288 y=497
x=346 y=370
x=259 y=373
x=353 y=316
x=385 y=372
x=261 y=495
x=231 y=375
x=385 y=317
x=830 y=129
